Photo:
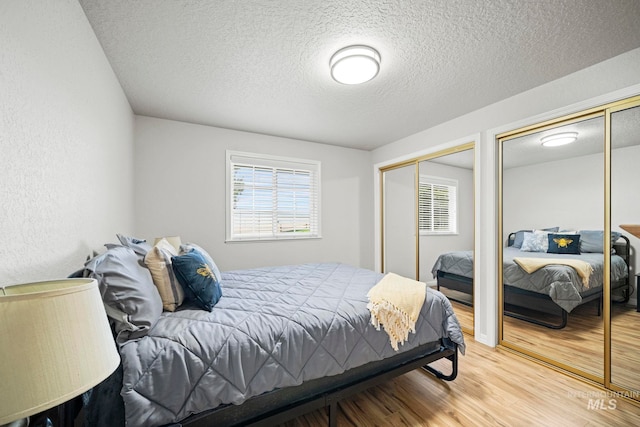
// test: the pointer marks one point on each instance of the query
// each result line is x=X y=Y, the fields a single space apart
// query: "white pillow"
x=536 y=241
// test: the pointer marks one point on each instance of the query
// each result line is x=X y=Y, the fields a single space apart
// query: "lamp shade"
x=55 y=343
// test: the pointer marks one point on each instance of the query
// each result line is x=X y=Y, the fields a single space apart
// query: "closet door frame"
x=633 y=102
x=415 y=162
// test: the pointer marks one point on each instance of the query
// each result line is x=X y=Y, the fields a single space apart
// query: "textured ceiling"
x=262 y=65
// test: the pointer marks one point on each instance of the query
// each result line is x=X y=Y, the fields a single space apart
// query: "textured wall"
x=65 y=142
x=180 y=190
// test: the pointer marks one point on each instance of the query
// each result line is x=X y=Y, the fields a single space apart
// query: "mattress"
x=274 y=327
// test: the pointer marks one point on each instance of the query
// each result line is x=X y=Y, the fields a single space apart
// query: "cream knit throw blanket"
x=395 y=303
x=583 y=268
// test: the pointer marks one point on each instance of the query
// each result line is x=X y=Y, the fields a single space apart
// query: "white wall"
x=66 y=132
x=592 y=86
x=566 y=193
x=180 y=190
x=400 y=221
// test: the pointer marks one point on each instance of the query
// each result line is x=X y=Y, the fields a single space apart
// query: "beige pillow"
x=158 y=261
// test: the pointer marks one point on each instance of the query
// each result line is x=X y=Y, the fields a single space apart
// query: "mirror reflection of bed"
x=530 y=297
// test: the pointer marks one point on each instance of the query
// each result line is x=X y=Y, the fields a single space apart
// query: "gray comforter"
x=560 y=282
x=274 y=327
x=456 y=262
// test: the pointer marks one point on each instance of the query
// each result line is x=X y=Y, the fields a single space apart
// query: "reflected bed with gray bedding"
x=273 y=328
x=560 y=282
x=555 y=288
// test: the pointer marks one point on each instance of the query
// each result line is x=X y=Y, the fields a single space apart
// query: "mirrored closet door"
x=428 y=222
x=550 y=193
x=625 y=222
x=569 y=231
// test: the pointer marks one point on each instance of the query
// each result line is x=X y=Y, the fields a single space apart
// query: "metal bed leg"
x=333 y=413
x=454 y=368
x=562 y=324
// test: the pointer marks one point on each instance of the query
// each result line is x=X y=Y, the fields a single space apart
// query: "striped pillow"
x=158 y=261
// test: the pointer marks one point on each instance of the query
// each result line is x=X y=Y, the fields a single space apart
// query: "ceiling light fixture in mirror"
x=559 y=139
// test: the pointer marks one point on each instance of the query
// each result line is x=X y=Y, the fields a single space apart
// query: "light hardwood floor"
x=464 y=313
x=494 y=388
x=580 y=344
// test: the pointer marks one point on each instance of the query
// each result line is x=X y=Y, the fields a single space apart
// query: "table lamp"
x=55 y=343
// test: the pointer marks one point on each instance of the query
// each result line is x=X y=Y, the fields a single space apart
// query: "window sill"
x=270 y=239
x=427 y=233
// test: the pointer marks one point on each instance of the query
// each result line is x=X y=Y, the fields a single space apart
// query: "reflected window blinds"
x=437 y=205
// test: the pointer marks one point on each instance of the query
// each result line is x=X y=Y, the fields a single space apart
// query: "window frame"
x=266 y=161
x=453 y=223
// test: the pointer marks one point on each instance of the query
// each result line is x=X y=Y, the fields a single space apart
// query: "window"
x=272 y=197
x=437 y=205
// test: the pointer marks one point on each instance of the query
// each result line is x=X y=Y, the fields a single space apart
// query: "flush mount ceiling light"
x=354 y=65
x=559 y=139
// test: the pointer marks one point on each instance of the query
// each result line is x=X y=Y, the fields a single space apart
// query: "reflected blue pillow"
x=593 y=240
x=564 y=244
x=519 y=238
x=198 y=280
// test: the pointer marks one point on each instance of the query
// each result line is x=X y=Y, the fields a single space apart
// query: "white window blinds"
x=272 y=197
x=437 y=205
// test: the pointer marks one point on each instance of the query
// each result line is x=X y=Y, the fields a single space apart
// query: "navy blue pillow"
x=197 y=279
x=564 y=244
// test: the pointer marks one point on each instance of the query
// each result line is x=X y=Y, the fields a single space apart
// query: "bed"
x=281 y=341
x=553 y=290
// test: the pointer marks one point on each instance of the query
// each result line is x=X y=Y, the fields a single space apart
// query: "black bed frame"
x=284 y=404
x=519 y=303
x=281 y=405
